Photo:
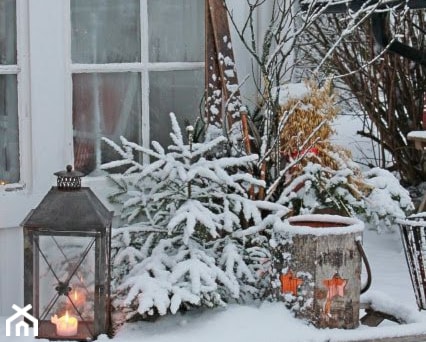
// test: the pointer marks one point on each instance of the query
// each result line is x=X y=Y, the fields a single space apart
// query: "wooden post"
x=213 y=86
x=318 y=269
x=221 y=75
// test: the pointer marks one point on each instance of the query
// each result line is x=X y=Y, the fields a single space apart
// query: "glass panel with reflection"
x=104 y=105
x=179 y=92
x=176 y=30
x=105 y=31
x=9 y=130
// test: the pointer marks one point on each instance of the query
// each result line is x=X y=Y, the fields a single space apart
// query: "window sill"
x=14 y=187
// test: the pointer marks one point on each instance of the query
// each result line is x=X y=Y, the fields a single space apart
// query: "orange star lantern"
x=289 y=283
x=335 y=286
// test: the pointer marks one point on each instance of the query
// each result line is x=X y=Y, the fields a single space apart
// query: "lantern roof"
x=77 y=210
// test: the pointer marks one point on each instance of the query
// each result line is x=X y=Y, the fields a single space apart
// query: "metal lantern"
x=67 y=244
x=413 y=233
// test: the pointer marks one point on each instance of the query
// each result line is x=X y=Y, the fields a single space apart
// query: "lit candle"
x=65 y=325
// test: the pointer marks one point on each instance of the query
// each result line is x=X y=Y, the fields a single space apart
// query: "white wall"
x=11 y=269
x=45 y=110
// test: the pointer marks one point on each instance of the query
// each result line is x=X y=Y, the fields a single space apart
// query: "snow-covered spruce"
x=180 y=246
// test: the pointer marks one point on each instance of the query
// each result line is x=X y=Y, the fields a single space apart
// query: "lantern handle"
x=366 y=264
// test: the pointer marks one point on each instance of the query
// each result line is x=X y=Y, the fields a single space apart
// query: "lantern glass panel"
x=66 y=281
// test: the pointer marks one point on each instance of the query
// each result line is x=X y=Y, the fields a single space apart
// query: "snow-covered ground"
x=271 y=322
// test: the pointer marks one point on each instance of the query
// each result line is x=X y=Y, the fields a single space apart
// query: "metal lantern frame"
x=413 y=237
x=68 y=211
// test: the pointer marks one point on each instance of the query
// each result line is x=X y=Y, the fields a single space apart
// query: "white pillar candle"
x=65 y=325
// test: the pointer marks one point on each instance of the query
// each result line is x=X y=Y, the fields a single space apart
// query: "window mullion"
x=79 y=68
x=145 y=75
x=9 y=69
x=170 y=66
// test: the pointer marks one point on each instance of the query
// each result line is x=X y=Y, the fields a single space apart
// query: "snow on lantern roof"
x=289 y=91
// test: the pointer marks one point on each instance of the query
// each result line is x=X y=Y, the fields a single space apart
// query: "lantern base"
x=85 y=331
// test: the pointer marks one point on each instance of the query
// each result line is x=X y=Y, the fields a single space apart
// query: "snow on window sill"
x=13 y=187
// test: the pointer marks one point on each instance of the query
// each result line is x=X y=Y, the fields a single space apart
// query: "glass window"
x=7 y=32
x=176 y=30
x=133 y=89
x=179 y=92
x=105 y=31
x=9 y=128
x=105 y=105
x=9 y=137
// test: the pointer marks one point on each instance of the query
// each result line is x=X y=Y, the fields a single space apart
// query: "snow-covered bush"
x=326 y=176
x=381 y=201
x=180 y=247
x=387 y=200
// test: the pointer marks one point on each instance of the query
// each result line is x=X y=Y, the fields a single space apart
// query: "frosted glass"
x=179 y=92
x=7 y=32
x=176 y=30
x=104 y=105
x=105 y=31
x=9 y=131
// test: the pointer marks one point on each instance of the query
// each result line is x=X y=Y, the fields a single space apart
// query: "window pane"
x=179 y=92
x=7 y=32
x=9 y=137
x=105 y=31
x=104 y=105
x=176 y=30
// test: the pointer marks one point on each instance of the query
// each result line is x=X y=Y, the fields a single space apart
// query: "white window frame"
x=21 y=69
x=144 y=67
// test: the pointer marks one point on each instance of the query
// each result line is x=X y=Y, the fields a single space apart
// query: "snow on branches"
x=326 y=177
x=374 y=196
x=180 y=247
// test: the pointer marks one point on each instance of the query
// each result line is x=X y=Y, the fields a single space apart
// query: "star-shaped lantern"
x=335 y=286
x=290 y=283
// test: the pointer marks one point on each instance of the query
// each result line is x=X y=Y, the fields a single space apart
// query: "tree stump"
x=317 y=269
